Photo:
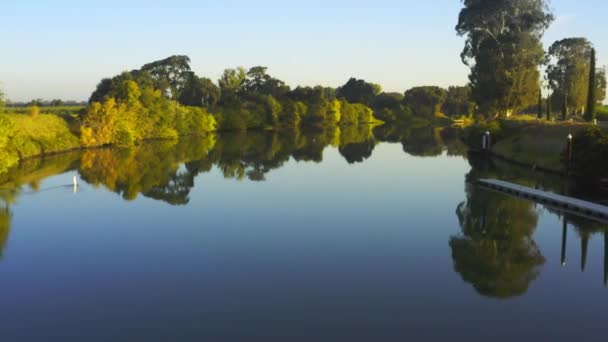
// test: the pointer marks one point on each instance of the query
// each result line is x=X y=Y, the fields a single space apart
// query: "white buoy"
x=75 y=182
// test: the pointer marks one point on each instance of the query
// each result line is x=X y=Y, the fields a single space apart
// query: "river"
x=326 y=235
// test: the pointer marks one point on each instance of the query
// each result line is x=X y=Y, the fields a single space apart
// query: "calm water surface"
x=282 y=237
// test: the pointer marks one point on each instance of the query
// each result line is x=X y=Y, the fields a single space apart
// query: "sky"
x=63 y=48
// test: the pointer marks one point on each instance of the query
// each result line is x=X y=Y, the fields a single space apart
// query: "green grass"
x=59 y=110
x=537 y=143
x=523 y=117
x=602 y=113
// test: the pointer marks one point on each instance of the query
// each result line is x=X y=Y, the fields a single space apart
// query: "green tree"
x=231 y=83
x=36 y=103
x=568 y=70
x=170 y=75
x=200 y=92
x=540 y=104
x=387 y=100
x=601 y=85
x=389 y=107
x=592 y=89
x=359 y=91
x=549 y=107
x=458 y=102
x=56 y=103
x=425 y=101
x=565 y=106
x=111 y=87
x=503 y=49
x=259 y=82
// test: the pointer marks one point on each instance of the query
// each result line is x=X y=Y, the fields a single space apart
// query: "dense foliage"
x=24 y=136
x=458 y=102
x=503 y=49
x=141 y=114
x=359 y=91
x=165 y=99
x=569 y=65
x=591 y=90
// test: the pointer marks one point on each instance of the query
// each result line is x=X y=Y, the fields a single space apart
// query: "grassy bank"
x=539 y=144
x=23 y=136
x=56 y=110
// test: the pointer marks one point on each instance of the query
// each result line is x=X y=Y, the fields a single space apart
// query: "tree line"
x=166 y=98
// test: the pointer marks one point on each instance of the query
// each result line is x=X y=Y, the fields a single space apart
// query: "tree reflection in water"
x=496 y=252
x=166 y=170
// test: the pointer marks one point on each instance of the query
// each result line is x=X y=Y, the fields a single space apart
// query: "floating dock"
x=564 y=203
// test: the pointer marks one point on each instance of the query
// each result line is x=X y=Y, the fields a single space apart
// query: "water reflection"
x=424 y=140
x=165 y=170
x=5 y=227
x=495 y=250
x=585 y=230
x=152 y=170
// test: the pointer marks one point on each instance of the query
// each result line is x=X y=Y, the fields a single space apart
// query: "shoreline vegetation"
x=166 y=100
x=165 y=169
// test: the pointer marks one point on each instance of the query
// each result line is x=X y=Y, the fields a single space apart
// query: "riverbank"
x=537 y=144
x=25 y=137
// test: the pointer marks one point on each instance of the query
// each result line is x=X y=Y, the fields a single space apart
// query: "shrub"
x=355 y=113
x=7 y=157
x=293 y=111
x=141 y=114
x=34 y=111
x=40 y=135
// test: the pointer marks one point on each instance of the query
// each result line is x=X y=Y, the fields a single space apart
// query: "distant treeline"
x=46 y=103
x=166 y=98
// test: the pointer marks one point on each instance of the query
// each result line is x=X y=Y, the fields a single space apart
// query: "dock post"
x=584 y=249
x=569 y=156
x=564 y=240
x=486 y=145
x=488 y=140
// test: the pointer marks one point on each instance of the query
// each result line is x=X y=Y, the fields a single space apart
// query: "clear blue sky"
x=62 y=48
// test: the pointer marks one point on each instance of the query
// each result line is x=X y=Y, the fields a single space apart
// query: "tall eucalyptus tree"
x=504 y=51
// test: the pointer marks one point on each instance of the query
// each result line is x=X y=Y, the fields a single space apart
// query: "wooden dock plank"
x=575 y=205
